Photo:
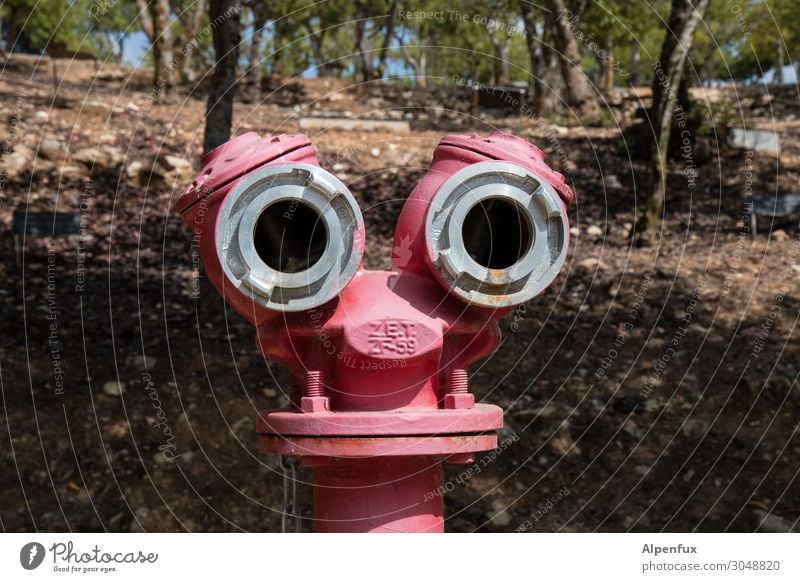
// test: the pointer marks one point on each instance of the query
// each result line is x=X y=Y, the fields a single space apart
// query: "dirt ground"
x=648 y=389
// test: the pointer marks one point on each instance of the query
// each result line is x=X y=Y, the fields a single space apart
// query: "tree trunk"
x=145 y=18
x=778 y=77
x=578 y=90
x=276 y=67
x=13 y=29
x=501 y=74
x=361 y=48
x=633 y=69
x=536 y=87
x=387 y=38
x=219 y=112
x=552 y=79
x=683 y=21
x=254 y=52
x=608 y=67
x=418 y=65
x=191 y=24
x=317 y=39
x=422 y=73
x=162 y=48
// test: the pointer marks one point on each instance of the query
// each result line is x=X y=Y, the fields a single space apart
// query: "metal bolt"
x=458 y=381
x=313 y=385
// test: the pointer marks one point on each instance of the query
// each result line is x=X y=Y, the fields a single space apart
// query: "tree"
x=578 y=90
x=501 y=36
x=417 y=38
x=224 y=17
x=326 y=35
x=683 y=21
x=540 y=84
x=115 y=25
x=261 y=13
x=190 y=17
x=32 y=26
x=154 y=16
x=367 y=17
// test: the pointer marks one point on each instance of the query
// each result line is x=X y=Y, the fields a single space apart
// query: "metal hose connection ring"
x=497 y=234
x=290 y=236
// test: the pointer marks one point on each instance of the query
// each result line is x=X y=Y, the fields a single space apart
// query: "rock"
x=698 y=329
x=100 y=107
x=133 y=170
x=95 y=106
x=141 y=364
x=17 y=162
x=29 y=140
x=146 y=520
x=695 y=428
x=574 y=232
x=501 y=517
x=114 y=388
x=162 y=458
x=243 y=425
x=172 y=168
x=779 y=235
x=594 y=231
x=53 y=150
x=116 y=431
x=173 y=162
x=631 y=428
x=71 y=172
x=563 y=444
x=627 y=229
x=612 y=181
x=653 y=404
x=100 y=159
x=755 y=139
x=590 y=264
x=768 y=522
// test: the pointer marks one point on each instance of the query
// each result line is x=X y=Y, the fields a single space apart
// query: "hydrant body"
x=378 y=359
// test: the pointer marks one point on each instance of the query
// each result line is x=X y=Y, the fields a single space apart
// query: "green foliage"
x=81 y=25
x=738 y=39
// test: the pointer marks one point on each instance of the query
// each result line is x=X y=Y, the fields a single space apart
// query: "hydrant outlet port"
x=497 y=234
x=290 y=236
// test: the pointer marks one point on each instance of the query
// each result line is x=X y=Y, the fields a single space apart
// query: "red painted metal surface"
x=379 y=395
x=378 y=494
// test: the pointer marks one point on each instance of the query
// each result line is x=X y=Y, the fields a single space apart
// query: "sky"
x=134 y=48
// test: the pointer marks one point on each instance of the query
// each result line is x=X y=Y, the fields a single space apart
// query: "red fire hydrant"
x=378 y=359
